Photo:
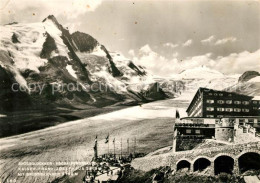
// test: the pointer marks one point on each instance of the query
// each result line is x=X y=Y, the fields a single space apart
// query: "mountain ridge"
x=47 y=54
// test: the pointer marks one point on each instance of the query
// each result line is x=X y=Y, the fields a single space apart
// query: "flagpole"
x=96 y=149
x=108 y=146
x=134 y=145
x=114 y=148
x=121 y=148
x=128 y=146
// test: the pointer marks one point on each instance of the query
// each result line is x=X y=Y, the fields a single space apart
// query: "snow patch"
x=200 y=72
x=254 y=80
x=99 y=52
x=256 y=98
x=2 y=115
x=147 y=111
x=71 y=71
x=26 y=54
x=55 y=33
x=112 y=82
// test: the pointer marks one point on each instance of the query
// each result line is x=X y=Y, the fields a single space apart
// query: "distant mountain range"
x=187 y=82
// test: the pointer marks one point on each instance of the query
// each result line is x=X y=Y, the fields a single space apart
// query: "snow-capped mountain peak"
x=200 y=72
x=46 y=53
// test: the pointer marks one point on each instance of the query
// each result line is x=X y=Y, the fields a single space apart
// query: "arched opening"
x=201 y=164
x=183 y=164
x=249 y=161
x=223 y=164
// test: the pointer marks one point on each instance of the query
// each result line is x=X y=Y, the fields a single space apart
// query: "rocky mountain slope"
x=247 y=84
x=54 y=67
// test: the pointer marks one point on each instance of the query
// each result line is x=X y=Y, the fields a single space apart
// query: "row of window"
x=222 y=109
x=219 y=94
x=224 y=130
x=248 y=121
x=188 y=131
x=228 y=102
x=255 y=102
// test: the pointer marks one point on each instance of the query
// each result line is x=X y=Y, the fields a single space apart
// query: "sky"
x=166 y=37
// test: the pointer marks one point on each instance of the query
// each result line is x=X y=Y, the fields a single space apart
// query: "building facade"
x=210 y=103
x=217 y=115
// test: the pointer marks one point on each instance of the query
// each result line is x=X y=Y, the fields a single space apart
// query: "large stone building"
x=216 y=115
x=212 y=103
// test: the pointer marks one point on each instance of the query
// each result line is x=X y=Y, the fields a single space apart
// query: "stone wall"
x=224 y=134
x=171 y=159
x=151 y=162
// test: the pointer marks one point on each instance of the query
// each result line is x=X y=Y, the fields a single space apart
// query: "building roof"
x=220 y=117
x=199 y=118
x=201 y=90
x=256 y=98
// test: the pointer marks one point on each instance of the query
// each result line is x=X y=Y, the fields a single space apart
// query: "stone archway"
x=183 y=164
x=223 y=164
x=249 y=161
x=201 y=164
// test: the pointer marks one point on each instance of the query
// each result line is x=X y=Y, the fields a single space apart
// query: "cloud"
x=175 y=54
x=69 y=8
x=226 y=40
x=171 y=45
x=145 y=50
x=153 y=62
x=239 y=62
x=208 y=40
x=187 y=43
x=235 y=63
x=131 y=52
x=212 y=40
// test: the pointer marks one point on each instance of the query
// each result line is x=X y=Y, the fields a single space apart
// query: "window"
x=229 y=109
x=210 y=116
x=220 y=116
x=228 y=101
x=245 y=102
x=210 y=101
x=220 y=109
x=255 y=108
x=210 y=93
x=250 y=120
x=188 y=131
x=230 y=95
x=215 y=94
x=210 y=108
x=221 y=94
x=237 y=110
x=245 y=110
x=241 y=120
x=200 y=120
x=237 y=102
x=254 y=102
x=220 y=101
x=197 y=131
